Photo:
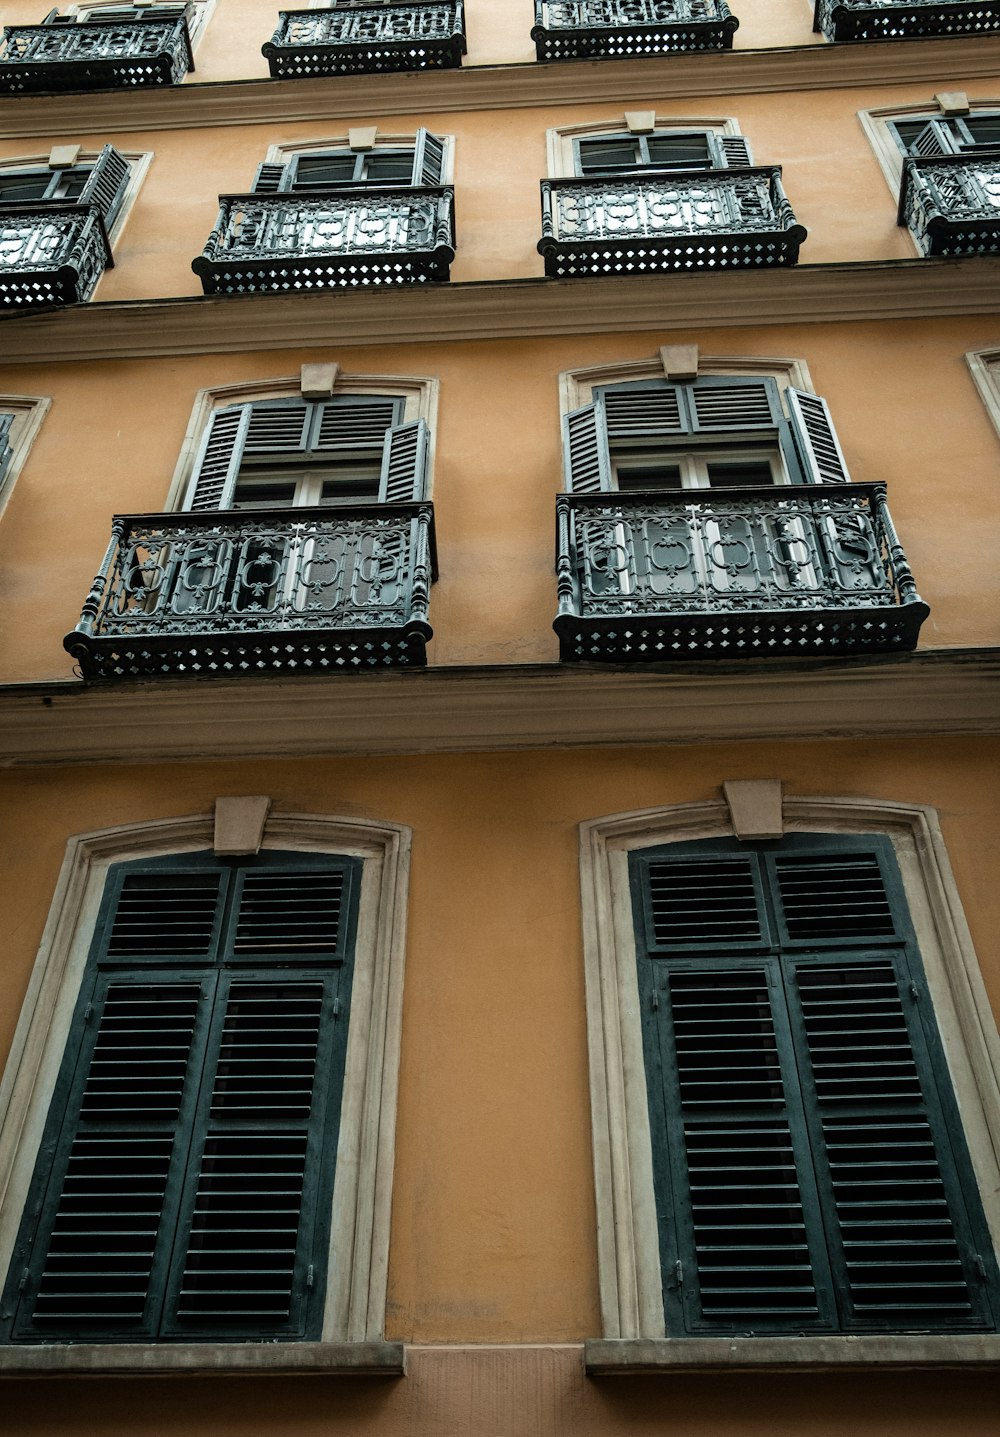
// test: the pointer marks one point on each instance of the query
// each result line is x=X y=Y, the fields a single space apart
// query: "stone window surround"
x=29 y=412
x=634 y=1336
x=559 y=140
x=352 y=1337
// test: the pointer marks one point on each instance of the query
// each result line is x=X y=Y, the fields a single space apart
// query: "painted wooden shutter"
x=638 y=412
x=718 y=404
x=270 y=178
x=934 y=139
x=735 y=152
x=810 y=1168
x=107 y=183
x=354 y=422
x=404 y=463
x=428 y=159
x=279 y=428
x=586 y=459
x=6 y=424
x=186 y=1173
x=815 y=439
x=218 y=461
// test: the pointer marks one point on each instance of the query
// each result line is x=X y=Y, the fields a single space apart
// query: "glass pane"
x=736 y=473
x=351 y=484
x=607 y=155
x=649 y=475
x=17 y=188
x=324 y=170
x=984 y=129
x=679 y=151
x=393 y=166
x=264 y=494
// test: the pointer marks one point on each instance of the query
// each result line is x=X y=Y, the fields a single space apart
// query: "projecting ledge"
x=192 y=1359
x=606 y=1357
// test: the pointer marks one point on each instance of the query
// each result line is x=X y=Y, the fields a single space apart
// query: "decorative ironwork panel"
x=39 y=58
x=661 y=220
x=266 y=243
x=299 y=590
x=50 y=254
x=696 y=574
x=904 y=19
x=366 y=39
x=952 y=203
x=612 y=29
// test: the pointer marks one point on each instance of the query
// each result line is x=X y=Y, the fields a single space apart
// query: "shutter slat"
x=720 y=404
x=695 y=903
x=166 y=915
x=586 y=460
x=278 y=429
x=270 y=178
x=836 y=896
x=355 y=423
x=643 y=414
x=290 y=913
x=428 y=159
x=736 y=151
x=218 y=464
x=107 y=183
x=405 y=455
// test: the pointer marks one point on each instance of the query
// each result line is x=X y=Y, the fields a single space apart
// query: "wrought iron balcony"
x=362 y=38
x=952 y=203
x=904 y=19
x=329 y=239
x=809 y=569
x=297 y=591
x=51 y=252
x=38 y=59
x=617 y=29
x=657 y=220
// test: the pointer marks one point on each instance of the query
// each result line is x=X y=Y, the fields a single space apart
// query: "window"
x=187 y=1165
x=714 y=432
x=950 y=190
x=320 y=171
x=951 y=135
x=20 y=419
x=810 y=1169
x=287 y=453
x=660 y=150
x=756 y=972
x=6 y=448
x=101 y=181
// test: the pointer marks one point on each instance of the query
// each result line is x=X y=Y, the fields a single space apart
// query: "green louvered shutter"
x=107 y=183
x=270 y=178
x=404 y=463
x=355 y=423
x=428 y=159
x=810 y=1169
x=218 y=462
x=735 y=152
x=6 y=425
x=184 y=1182
x=586 y=460
x=815 y=439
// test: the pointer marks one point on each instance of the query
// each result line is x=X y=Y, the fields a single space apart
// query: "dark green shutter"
x=809 y=1164
x=586 y=460
x=735 y=152
x=6 y=424
x=107 y=183
x=270 y=178
x=815 y=439
x=218 y=461
x=351 y=423
x=718 y=404
x=404 y=463
x=428 y=159
x=184 y=1182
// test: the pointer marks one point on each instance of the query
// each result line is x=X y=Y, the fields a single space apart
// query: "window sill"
x=606 y=1357
x=334 y=1359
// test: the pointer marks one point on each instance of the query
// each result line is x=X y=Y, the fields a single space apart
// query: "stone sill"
x=193 y=1359
x=607 y=1357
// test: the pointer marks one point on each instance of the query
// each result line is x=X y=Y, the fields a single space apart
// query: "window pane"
x=607 y=155
x=984 y=129
x=679 y=151
x=17 y=188
x=389 y=167
x=324 y=170
x=264 y=494
x=736 y=473
x=649 y=475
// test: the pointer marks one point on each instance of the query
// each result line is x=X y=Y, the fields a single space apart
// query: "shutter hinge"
x=678 y=1274
x=88 y=1012
x=655 y=1001
x=24 y=1279
x=980 y=1268
x=336 y=1009
x=310 y=1275
x=914 y=992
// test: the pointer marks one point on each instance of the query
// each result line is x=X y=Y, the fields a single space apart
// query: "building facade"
x=498 y=867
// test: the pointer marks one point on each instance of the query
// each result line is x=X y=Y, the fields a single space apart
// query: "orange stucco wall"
x=907 y=413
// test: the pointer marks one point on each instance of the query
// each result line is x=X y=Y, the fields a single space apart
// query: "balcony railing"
x=330 y=239
x=358 y=38
x=952 y=203
x=668 y=220
x=627 y=29
x=809 y=569
x=904 y=19
x=50 y=58
x=296 y=591
x=51 y=252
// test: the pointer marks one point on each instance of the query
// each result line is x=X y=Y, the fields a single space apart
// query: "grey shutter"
x=642 y=411
x=815 y=439
x=107 y=183
x=428 y=159
x=586 y=458
x=719 y=404
x=735 y=152
x=934 y=139
x=353 y=423
x=218 y=462
x=270 y=178
x=279 y=428
x=404 y=463
x=6 y=424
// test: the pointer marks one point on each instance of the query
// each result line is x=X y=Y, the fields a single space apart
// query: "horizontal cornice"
x=508 y=309
x=459 y=710
x=502 y=87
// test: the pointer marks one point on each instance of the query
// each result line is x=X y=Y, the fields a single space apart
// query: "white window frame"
x=628 y=1241
x=559 y=139
x=280 y=154
x=362 y=1194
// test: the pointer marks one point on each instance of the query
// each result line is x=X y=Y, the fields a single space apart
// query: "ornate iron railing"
x=952 y=203
x=904 y=19
x=329 y=239
x=359 y=38
x=297 y=590
x=51 y=252
x=48 y=58
x=807 y=569
x=613 y=29
x=668 y=219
